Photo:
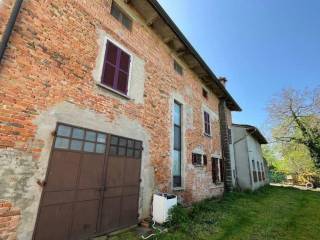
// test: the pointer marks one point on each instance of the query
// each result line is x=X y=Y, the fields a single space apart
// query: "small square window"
x=77 y=133
x=100 y=148
x=130 y=143
x=204 y=93
x=177 y=67
x=121 y=16
x=137 y=145
x=91 y=136
x=101 y=138
x=122 y=142
x=88 y=147
x=196 y=159
x=129 y=152
x=114 y=140
x=137 y=153
x=62 y=143
x=64 y=131
x=76 y=145
x=113 y=150
x=122 y=151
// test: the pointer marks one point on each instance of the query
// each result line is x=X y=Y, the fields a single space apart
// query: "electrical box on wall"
x=162 y=203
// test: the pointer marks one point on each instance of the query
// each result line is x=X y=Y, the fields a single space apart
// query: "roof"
x=253 y=131
x=162 y=24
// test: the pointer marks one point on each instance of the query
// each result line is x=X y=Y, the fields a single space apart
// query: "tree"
x=296 y=118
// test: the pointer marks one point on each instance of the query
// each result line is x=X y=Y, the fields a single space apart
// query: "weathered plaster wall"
x=50 y=73
x=246 y=148
x=255 y=153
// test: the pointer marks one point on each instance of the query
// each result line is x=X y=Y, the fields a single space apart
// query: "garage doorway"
x=91 y=187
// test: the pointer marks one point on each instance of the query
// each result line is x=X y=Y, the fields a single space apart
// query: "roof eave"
x=232 y=104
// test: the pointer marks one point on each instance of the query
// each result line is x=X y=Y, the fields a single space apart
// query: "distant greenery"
x=295 y=116
x=295 y=145
x=272 y=213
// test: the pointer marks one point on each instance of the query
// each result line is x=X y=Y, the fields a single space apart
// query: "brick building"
x=103 y=103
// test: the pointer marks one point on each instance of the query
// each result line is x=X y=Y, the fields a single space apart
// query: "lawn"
x=270 y=213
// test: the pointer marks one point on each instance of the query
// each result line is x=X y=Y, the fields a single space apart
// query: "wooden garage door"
x=92 y=185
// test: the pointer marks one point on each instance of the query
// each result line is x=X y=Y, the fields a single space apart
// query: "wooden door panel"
x=115 y=171
x=129 y=210
x=110 y=214
x=92 y=185
x=131 y=172
x=63 y=170
x=59 y=197
x=54 y=222
x=85 y=215
x=91 y=171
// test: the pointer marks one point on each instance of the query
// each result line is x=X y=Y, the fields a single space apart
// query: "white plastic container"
x=162 y=203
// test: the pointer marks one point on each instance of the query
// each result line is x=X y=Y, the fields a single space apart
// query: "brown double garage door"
x=92 y=185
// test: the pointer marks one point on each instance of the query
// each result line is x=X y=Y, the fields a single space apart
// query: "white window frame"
x=202 y=161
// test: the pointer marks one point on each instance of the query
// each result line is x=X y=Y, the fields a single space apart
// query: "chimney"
x=223 y=80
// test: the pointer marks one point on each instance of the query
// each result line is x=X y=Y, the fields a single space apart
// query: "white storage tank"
x=162 y=203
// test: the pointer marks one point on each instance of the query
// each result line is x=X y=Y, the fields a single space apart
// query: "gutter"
x=8 y=30
x=176 y=30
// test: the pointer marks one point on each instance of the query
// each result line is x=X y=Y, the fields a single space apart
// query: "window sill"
x=199 y=165
x=217 y=185
x=113 y=91
x=207 y=135
x=178 y=189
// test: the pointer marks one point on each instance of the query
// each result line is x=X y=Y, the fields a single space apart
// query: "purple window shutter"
x=123 y=70
x=207 y=123
x=116 y=68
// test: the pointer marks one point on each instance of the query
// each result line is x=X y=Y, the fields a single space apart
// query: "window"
x=207 y=129
x=177 y=67
x=120 y=16
x=196 y=159
x=177 y=146
x=263 y=174
x=259 y=172
x=199 y=159
x=254 y=172
x=217 y=170
x=204 y=93
x=79 y=139
x=120 y=146
x=116 y=68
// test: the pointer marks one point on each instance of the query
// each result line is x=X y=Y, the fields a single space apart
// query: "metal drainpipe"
x=8 y=30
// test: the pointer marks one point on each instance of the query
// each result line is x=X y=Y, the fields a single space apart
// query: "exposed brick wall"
x=50 y=60
x=225 y=118
x=9 y=220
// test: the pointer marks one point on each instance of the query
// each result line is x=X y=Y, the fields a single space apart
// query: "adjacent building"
x=103 y=103
x=249 y=168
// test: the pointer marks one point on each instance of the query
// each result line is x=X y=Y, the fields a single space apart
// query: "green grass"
x=270 y=213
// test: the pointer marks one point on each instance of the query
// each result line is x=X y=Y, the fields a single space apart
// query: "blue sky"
x=260 y=46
